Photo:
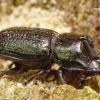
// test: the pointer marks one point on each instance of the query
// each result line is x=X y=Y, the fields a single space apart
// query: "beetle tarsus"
x=6 y=70
x=34 y=76
x=10 y=69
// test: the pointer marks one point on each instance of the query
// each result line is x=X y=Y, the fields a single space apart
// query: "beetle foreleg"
x=60 y=74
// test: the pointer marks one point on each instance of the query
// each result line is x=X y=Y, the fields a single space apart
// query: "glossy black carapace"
x=39 y=48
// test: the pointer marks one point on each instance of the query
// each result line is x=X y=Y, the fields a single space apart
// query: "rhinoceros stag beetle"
x=39 y=48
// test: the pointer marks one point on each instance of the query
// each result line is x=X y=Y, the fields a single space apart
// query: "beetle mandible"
x=39 y=48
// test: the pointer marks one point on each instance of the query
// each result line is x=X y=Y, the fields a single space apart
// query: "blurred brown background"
x=79 y=16
x=63 y=16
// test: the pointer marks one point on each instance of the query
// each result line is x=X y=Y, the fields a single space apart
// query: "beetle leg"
x=60 y=74
x=10 y=68
x=34 y=76
x=7 y=70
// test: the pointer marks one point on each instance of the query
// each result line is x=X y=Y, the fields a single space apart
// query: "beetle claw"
x=24 y=83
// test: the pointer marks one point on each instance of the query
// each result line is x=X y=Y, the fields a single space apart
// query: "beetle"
x=39 y=48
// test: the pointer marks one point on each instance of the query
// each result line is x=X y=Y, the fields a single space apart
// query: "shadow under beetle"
x=39 y=48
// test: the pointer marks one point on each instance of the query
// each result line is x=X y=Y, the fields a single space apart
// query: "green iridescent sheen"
x=64 y=53
x=21 y=47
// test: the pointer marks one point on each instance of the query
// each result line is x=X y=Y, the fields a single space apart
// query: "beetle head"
x=88 y=48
